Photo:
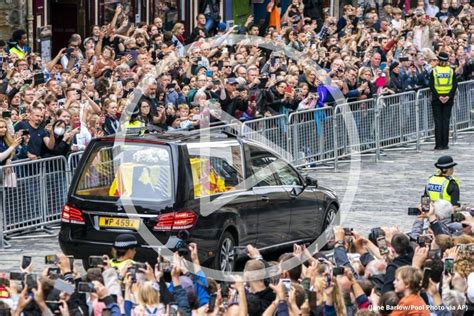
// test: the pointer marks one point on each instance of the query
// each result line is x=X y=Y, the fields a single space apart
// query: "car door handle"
x=265 y=198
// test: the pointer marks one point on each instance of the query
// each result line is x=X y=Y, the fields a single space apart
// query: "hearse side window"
x=263 y=174
x=135 y=171
x=216 y=169
x=287 y=175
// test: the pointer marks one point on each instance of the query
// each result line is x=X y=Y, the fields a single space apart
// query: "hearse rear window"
x=135 y=171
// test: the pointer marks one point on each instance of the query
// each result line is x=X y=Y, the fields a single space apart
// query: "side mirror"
x=311 y=181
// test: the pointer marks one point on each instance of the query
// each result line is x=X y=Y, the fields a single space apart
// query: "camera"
x=348 y=231
x=424 y=240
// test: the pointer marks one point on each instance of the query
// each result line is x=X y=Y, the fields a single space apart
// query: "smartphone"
x=31 y=282
x=95 y=261
x=17 y=276
x=289 y=89
x=39 y=78
x=448 y=265
x=69 y=51
x=403 y=59
x=383 y=65
x=6 y=114
x=425 y=203
x=25 y=262
x=426 y=278
x=133 y=273
x=423 y=241
x=212 y=303
x=263 y=82
x=54 y=271
x=85 y=287
x=337 y=271
x=414 y=211
x=64 y=286
x=53 y=306
x=287 y=284
x=50 y=259
x=273 y=77
x=382 y=243
x=209 y=73
x=240 y=251
x=25 y=132
x=348 y=231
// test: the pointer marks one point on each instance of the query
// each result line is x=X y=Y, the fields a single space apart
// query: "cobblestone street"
x=384 y=192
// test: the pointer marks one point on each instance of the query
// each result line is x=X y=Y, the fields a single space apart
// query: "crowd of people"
x=127 y=75
x=428 y=271
x=146 y=75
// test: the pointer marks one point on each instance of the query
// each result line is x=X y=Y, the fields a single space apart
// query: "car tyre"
x=225 y=256
x=329 y=218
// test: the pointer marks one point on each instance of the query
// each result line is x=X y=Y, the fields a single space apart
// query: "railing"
x=33 y=192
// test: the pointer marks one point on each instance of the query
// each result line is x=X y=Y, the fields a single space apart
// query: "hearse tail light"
x=176 y=221
x=72 y=215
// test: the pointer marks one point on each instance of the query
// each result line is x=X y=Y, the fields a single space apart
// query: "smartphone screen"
x=382 y=243
x=85 y=287
x=426 y=277
x=448 y=265
x=425 y=203
x=25 y=262
x=51 y=259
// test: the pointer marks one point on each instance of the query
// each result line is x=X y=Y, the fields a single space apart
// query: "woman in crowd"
x=8 y=143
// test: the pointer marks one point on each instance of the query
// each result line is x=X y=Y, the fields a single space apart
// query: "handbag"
x=10 y=180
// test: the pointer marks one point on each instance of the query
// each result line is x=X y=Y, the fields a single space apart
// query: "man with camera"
x=443 y=185
x=443 y=86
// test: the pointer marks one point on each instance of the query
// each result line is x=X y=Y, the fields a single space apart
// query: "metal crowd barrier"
x=312 y=135
x=270 y=131
x=32 y=193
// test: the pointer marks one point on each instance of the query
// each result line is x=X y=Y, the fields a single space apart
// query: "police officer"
x=123 y=251
x=443 y=85
x=443 y=185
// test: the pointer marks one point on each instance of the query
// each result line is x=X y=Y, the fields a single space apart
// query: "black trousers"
x=442 y=116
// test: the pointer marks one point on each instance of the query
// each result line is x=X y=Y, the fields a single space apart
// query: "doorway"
x=64 y=21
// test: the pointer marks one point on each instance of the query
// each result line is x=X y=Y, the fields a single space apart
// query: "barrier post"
x=454 y=117
x=417 y=116
x=334 y=132
x=377 y=129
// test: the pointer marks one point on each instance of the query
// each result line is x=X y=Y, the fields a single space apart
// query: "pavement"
x=383 y=191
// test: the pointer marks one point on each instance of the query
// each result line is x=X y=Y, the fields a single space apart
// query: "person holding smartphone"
x=8 y=143
x=408 y=284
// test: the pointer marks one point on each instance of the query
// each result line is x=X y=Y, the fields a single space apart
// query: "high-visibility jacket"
x=443 y=79
x=437 y=187
x=120 y=264
x=19 y=52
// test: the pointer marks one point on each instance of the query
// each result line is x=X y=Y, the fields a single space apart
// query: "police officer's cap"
x=445 y=162
x=125 y=241
x=443 y=56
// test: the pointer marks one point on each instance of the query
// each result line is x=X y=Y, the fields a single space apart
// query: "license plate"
x=114 y=222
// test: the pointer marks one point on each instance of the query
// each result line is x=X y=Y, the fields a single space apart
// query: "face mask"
x=59 y=131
